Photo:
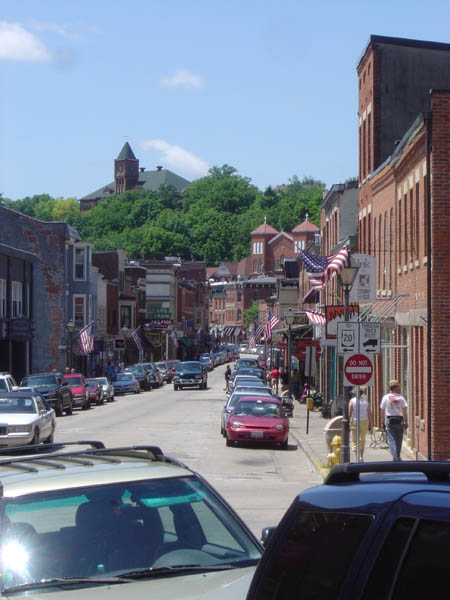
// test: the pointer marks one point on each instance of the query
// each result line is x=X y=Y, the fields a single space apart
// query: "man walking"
x=393 y=408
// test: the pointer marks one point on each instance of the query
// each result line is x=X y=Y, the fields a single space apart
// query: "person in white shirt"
x=393 y=408
x=365 y=420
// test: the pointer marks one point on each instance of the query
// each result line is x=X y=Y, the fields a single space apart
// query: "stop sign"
x=358 y=370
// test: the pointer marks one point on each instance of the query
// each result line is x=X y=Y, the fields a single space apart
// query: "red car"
x=79 y=389
x=95 y=391
x=258 y=419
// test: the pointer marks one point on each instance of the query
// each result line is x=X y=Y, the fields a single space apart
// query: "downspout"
x=428 y=123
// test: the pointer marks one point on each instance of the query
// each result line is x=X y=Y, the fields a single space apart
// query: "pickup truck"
x=53 y=388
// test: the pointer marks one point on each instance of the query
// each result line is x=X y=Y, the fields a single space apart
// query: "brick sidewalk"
x=314 y=444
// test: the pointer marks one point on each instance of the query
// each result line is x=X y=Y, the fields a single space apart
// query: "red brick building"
x=404 y=177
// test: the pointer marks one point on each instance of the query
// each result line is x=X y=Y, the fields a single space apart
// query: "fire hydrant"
x=334 y=458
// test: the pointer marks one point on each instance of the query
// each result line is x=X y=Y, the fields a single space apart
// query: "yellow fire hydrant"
x=334 y=458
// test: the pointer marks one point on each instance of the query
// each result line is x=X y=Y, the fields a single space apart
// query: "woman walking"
x=365 y=420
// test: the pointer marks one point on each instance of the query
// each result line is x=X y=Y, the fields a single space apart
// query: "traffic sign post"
x=347 y=338
x=361 y=337
x=358 y=370
x=370 y=337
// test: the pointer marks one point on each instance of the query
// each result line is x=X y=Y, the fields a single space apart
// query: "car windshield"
x=109 y=530
x=102 y=381
x=190 y=366
x=234 y=398
x=124 y=377
x=91 y=383
x=74 y=380
x=161 y=365
x=40 y=380
x=258 y=409
x=17 y=405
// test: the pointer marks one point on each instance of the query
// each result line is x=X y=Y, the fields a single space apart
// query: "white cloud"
x=16 y=43
x=183 y=78
x=177 y=158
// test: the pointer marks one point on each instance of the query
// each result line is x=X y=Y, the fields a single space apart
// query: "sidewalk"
x=314 y=444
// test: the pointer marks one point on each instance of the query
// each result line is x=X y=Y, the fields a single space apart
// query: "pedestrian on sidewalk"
x=284 y=377
x=227 y=378
x=296 y=384
x=274 y=377
x=395 y=416
x=365 y=420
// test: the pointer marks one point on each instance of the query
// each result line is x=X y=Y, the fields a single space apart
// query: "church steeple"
x=126 y=170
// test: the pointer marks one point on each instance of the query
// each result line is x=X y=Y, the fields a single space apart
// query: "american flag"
x=138 y=337
x=320 y=268
x=272 y=322
x=84 y=344
x=316 y=317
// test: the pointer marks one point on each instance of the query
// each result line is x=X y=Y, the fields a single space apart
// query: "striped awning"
x=228 y=331
x=315 y=317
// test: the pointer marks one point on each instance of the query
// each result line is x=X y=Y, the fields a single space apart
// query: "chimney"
x=159 y=168
x=141 y=169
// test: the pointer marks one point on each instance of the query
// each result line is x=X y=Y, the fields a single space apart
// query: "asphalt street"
x=258 y=482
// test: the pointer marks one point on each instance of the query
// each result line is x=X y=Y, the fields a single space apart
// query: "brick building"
x=404 y=177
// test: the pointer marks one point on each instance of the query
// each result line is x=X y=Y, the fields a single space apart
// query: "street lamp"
x=347 y=277
x=70 y=327
x=125 y=331
x=289 y=317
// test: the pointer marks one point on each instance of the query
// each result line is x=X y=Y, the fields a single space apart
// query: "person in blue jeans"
x=395 y=416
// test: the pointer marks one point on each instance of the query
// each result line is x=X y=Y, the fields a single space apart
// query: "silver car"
x=25 y=418
x=108 y=388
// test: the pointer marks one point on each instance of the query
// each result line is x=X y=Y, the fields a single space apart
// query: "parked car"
x=80 y=390
x=8 y=383
x=54 y=388
x=258 y=419
x=245 y=380
x=133 y=524
x=142 y=375
x=248 y=371
x=190 y=374
x=246 y=362
x=25 y=418
x=207 y=362
x=234 y=399
x=381 y=530
x=95 y=391
x=126 y=383
x=164 y=371
x=156 y=380
x=108 y=388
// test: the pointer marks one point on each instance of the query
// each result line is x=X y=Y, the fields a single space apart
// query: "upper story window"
x=257 y=247
x=299 y=245
x=2 y=297
x=80 y=263
x=16 y=298
x=79 y=310
x=239 y=296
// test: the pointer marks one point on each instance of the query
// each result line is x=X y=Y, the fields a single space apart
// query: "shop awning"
x=237 y=331
x=312 y=297
x=382 y=309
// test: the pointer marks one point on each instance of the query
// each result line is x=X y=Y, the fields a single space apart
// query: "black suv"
x=190 y=373
x=53 y=388
x=373 y=531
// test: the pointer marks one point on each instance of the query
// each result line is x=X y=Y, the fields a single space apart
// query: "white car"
x=25 y=418
x=8 y=383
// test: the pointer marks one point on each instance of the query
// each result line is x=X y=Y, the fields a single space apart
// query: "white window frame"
x=16 y=299
x=2 y=297
x=75 y=297
x=75 y=263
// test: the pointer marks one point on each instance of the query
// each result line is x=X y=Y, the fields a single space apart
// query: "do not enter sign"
x=358 y=370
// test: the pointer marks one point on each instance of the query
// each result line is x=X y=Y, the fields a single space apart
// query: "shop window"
x=80 y=266
x=2 y=297
x=16 y=299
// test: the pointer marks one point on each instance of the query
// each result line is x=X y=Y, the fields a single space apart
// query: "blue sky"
x=267 y=87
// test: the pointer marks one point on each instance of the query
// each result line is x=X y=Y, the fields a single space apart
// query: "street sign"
x=347 y=338
x=370 y=337
x=364 y=287
x=358 y=370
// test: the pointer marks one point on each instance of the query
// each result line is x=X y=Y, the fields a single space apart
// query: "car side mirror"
x=266 y=534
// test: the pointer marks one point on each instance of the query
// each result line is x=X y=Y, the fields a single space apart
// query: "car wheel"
x=50 y=438
x=85 y=404
x=228 y=442
x=175 y=388
x=284 y=445
x=111 y=398
x=69 y=409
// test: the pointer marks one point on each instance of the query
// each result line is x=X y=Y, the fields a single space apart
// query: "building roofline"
x=396 y=41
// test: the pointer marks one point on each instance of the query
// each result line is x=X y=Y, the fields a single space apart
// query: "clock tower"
x=126 y=170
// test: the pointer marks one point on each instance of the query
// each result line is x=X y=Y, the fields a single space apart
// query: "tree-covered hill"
x=212 y=221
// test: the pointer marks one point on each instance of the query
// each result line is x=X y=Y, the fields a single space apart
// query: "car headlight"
x=20 y=428
x=236 y=425
x=279 y=427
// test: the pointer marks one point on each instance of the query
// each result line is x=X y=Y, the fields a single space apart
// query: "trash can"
x=332 y=428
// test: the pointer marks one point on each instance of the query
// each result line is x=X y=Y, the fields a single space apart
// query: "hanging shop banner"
x=335 y=315
x=364 y=287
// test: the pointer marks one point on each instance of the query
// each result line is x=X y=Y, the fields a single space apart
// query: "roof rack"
x=350 y=472
x=32 y=447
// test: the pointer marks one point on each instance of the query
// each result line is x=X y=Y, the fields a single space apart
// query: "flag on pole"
x=321 y=268
x=259 y=330
x=84 y=343
x=139 y=337
x=272 y=322
x=316 y=317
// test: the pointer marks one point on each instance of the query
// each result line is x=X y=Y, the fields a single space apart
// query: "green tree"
x=66 y=209
x=251 y=314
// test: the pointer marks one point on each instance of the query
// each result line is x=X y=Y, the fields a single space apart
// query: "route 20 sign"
x=358 y=370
